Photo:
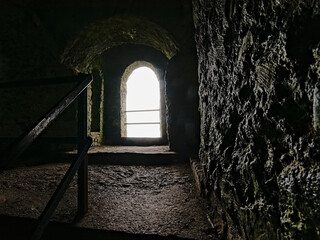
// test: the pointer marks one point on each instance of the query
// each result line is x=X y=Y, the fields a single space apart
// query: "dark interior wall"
x=259 y=108
x=34 y=35
x=182 y=103
x=28 y=52
x=27 y=48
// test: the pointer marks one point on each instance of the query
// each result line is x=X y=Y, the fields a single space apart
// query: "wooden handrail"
x=61 y=189
x=84 y=142
x=18 y=147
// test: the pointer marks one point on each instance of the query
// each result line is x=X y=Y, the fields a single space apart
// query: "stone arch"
x=83 y=54
x=117 y=64
x=98 y=37
x=123 y=89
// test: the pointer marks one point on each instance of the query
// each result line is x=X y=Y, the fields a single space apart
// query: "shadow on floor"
x=21 y=228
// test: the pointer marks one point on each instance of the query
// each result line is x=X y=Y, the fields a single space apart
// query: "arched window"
x=141 y=106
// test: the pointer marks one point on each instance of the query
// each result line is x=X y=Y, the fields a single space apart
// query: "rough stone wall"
x=259 y=106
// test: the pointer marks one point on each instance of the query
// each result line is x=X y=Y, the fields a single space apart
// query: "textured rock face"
x=259 y=107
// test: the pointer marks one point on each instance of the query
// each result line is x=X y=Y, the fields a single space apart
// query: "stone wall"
x=259 y=107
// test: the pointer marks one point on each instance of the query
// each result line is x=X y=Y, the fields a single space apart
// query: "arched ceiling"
x=103 y=35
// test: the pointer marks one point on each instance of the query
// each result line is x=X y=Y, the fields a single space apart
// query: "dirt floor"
x=133 y=193
x=159 y=200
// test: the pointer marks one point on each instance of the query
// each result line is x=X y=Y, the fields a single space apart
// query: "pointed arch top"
x=103 y=35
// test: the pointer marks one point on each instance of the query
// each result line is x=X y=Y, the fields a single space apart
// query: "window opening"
x=142 y=112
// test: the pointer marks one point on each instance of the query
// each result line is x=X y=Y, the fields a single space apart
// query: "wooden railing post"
x=79 y=164
x=82 y=138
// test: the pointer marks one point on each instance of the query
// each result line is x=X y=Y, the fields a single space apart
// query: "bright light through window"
x=143 y=104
